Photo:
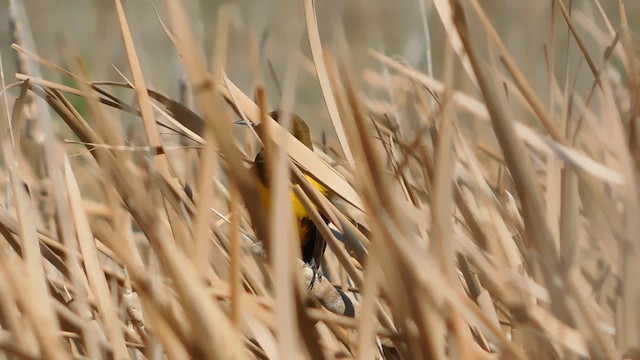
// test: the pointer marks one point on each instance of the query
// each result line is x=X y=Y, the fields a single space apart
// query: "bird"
x=312 y=244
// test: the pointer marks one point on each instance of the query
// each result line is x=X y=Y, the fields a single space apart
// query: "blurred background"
x=267 y=29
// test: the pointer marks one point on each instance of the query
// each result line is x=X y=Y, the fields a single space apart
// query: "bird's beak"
x=244 y=122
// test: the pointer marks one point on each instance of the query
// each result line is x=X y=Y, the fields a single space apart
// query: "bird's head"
x=299 y=128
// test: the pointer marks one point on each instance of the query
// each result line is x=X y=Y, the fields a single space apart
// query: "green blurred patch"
x=78 y=102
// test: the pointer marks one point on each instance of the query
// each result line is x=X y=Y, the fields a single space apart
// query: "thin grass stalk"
x=207 y=163
x=323 y=78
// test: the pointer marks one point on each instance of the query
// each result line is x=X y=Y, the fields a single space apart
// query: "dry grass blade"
x=445 y=12
x=442 y=203
x=139 y=85
x=208 y=164
x=321 y=70
x=95 y=275
x=36 y=293
x=570 y=156
x=581 y=44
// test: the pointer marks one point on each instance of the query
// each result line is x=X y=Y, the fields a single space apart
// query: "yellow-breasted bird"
x=312 y=243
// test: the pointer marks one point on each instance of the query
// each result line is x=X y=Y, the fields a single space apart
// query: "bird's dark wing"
x=319 y=246
x=314 y=244
x=260 y=167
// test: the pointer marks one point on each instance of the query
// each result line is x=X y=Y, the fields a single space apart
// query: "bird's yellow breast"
x=298 y=208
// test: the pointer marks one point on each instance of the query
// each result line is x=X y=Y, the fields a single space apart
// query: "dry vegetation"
x=127 y=241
